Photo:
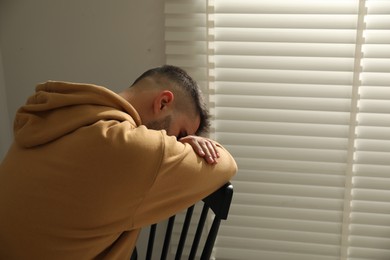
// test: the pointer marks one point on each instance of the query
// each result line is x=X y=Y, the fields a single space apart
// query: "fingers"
x=210 y=150
x=213 y=148
x=204 y=147
x=209 y=153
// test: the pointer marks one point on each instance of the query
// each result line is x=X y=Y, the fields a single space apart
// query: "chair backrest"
x=219 y=202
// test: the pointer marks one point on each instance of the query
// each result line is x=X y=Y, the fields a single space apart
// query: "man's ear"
x=163 y=101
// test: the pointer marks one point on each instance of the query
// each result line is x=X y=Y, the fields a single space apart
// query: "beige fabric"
x=83 y=176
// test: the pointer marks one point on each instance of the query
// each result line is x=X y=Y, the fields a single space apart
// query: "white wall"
x=103 y=42
x=5 y=129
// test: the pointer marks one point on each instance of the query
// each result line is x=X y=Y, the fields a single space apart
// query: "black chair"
x=219 y=202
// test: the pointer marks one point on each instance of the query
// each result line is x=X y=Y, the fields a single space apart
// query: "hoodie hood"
x=59 y=108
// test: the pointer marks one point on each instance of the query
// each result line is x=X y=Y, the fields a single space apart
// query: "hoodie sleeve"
x=183 y=178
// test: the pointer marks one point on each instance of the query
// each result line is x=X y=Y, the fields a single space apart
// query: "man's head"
x=168 y=98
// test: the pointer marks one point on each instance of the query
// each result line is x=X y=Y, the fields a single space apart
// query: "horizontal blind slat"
x=282 y=235
x=283 y=103
x=279 y=245
x=285 y=63
x=286 y=49
x=303 y=21
x=346 y=36
x=288 y=165
x=281 y=114
x=282 y=128
x=253 y=254
x=285 y=201
x=284 y=76
x=270 y=140
x=283 y=153
x=292 y=190
x=292 y=178
x=285 y=89
x=282 y=6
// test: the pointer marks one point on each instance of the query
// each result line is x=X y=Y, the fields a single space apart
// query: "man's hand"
x=204 y=147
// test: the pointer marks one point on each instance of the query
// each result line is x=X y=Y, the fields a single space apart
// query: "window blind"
x=186 y=43
x=369 y=226
x=300 y=95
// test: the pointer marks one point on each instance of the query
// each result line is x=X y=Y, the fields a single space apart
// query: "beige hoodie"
x=83 y=176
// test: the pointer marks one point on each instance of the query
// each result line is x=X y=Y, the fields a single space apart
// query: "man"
x=89 y=168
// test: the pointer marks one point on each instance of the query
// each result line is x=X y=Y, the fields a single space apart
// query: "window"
x=300 y=94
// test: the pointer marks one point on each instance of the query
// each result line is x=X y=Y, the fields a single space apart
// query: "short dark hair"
x=188 y=85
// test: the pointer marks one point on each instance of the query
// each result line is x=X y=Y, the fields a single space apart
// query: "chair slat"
x=184 y=232
x=209 y=244
x=198 y=233
x=152 y=235
x=167 y=239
